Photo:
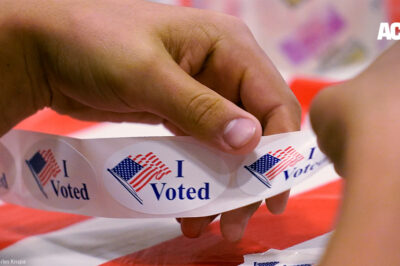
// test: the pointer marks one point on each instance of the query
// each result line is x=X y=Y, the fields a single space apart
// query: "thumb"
x=201 y=112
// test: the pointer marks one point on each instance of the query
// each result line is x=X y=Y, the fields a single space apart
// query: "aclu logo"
x=135 y=173
x=389 y=31
x=46 y=172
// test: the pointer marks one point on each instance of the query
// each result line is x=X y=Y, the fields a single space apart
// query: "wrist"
x=22 y=83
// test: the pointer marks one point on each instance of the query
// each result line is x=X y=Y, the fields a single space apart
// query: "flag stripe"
x=279 y=166
x=48 y=172
x=147 y=181
x=51 y=168
x=279 y=170
x=53 y=173
x=290 y=158
x=145 y=157
x=135 y=185
x=163 y=174
x=45 y=154
x=45 y=173
x=137 y=156
x=142 y=172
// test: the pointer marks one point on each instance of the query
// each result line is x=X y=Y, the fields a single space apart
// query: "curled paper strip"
x=307 y=253
x=149 y=176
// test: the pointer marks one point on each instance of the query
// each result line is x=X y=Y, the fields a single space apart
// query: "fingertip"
x=277 y=204
x=194 y=227
x=241 y=135
x=233 y=223
x=191 y=228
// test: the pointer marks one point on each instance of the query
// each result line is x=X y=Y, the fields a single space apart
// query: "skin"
x=358 y=126
x=195 y=71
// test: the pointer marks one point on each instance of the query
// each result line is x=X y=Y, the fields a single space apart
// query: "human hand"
x=357 y=124
x=198 y=72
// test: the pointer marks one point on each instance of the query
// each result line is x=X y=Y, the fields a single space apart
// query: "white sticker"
x=7 y=170
x=165 y=177
x=280 y=164
x=150 y=177
x=58 y=175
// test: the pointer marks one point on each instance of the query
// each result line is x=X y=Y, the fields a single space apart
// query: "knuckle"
x=237 y=23
x=230 y=23
x=202 y=108
x=239 y=33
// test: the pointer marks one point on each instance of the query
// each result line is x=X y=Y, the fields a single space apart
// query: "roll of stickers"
x=149 y=176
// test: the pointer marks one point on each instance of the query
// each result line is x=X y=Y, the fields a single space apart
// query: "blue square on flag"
x=37 y=162
x=265 y=163
x=127 y=168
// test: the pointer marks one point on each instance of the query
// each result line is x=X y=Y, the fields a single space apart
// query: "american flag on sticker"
x=44 y=167
x=134 y=173
x=272 y=164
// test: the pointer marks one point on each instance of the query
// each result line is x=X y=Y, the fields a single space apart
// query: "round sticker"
x=275 y=166
x=165 y=177
x=7 y=170
x=58 y=175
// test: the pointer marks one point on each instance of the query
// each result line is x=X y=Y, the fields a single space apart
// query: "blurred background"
x=319 y=38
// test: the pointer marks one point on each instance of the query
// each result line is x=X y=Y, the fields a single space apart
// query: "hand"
x=358 y=127
x=198 y=72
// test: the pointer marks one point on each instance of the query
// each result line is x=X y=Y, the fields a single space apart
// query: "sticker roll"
x=142 y=177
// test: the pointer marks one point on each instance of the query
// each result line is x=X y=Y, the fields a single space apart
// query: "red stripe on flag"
x=51 y=170
x=137 y=156
x=289 y=159
x=146 y=169
x=54 y=172
x=144 y=177
x=279 y=169
x=147 y=181
x=164 y=173
x=145 y=157
x=282 y=165
x=50 y=164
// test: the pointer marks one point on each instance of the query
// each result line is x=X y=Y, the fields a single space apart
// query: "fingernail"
x=239 y=132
